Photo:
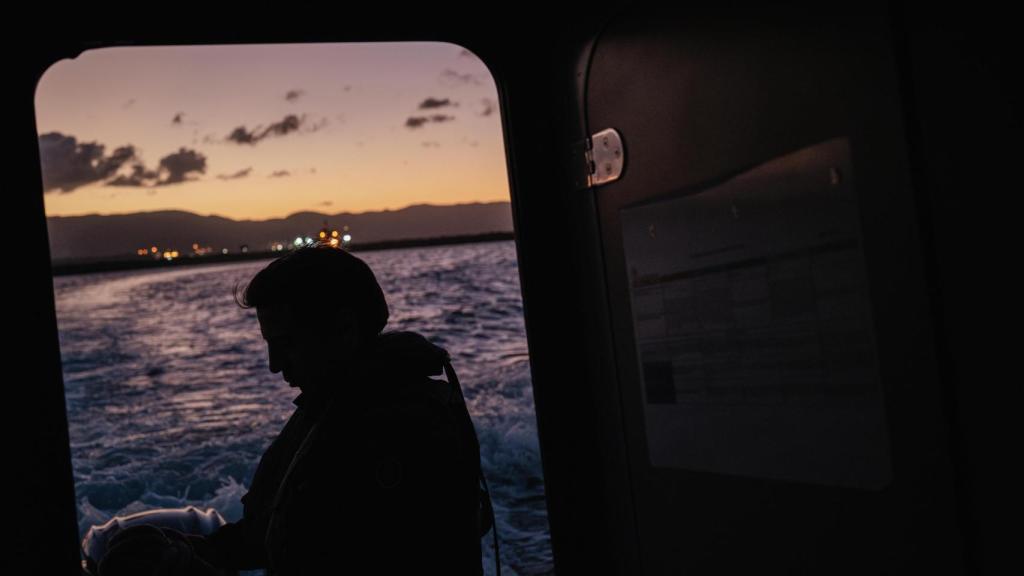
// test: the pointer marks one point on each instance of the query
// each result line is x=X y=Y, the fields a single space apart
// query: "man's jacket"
x=380 y=475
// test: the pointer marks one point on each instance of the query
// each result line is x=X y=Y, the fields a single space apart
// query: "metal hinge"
x=600 y=159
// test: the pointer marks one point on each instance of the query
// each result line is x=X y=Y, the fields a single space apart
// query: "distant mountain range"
x=116 y=236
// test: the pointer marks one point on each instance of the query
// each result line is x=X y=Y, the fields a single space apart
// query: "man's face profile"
x=277 y=328
x=305 y=357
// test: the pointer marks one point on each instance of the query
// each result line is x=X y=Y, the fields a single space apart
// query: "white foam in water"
x=170 y=402
x=228 y=500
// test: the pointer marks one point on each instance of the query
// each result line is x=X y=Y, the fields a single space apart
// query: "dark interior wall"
x=962 y=102
x=41 y=493
x=699 y=99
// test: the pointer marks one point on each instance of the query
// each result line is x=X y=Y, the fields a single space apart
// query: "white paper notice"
x=754 y=329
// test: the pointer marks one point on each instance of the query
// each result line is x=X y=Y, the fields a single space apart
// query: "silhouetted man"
x=378 y=467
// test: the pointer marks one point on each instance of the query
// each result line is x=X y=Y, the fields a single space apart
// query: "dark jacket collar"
x=391 y=359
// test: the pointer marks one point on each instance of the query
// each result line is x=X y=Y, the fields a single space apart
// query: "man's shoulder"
x=413 y=404
x=402 y=373
x=404 y=354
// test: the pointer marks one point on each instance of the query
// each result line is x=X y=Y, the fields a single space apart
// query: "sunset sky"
x=263 y=131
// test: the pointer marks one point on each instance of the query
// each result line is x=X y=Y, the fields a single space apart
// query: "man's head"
x=317 y=308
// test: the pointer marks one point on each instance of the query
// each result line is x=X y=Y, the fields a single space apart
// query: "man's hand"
x=147 y=549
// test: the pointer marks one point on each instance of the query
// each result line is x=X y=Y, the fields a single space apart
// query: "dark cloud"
x=290 y=123
x=68 y=164
x=128 y=104
x=430 y=103
x=138 y=178
x=326 y=203
x=416 y=121
x=431 y=145
x=489 y=107
x=174 y=168
x=452 y=78
x=279 y=174
x=179 y=166
x=178 y=118
x=294 y=95
x=242 y=136
x=240 y=174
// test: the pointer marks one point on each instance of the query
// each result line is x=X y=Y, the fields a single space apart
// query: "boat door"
x=772 y=348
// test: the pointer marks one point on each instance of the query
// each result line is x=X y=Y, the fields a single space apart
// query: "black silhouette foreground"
x=378 y=469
